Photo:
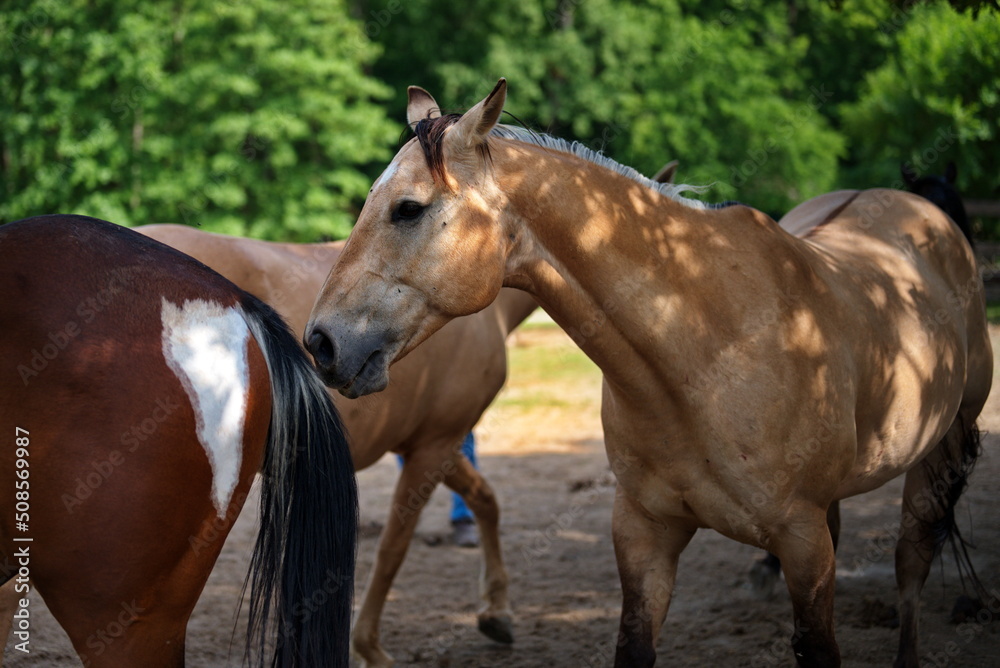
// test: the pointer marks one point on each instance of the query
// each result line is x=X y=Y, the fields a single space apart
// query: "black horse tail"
x=961 y=449
x=301 y=573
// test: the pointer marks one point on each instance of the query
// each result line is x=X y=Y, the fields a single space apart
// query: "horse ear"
x=475 y=124
x=667 y=172
x=420 y=105
x=951 y=172
x=909 y=176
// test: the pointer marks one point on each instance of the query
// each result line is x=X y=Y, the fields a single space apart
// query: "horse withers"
x=144 y=392
x=713 y=328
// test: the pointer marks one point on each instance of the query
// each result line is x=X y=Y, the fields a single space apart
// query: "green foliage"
x=270 y=119
x=647 y=82
x=937 y=98
x=251 y=117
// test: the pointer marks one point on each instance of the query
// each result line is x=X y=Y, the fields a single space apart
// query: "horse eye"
x=407 y=210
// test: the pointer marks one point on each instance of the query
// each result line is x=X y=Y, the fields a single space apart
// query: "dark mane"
x=430 y=133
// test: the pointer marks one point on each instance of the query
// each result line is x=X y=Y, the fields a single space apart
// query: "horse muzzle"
x=354 y=366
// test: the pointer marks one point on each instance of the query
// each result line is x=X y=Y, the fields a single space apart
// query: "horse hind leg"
x=423 y=469
x=931 y=490
x=495 y=618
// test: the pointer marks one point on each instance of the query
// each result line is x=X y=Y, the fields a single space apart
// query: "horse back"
x=812 y=213
x=285 y=275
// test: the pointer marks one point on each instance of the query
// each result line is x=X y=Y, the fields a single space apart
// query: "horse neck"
x=622 y=268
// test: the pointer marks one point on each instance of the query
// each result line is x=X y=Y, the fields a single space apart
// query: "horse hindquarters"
x=125 y=537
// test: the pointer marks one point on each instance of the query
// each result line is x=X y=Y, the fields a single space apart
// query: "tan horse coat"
x=751 y=377
x=437 y=395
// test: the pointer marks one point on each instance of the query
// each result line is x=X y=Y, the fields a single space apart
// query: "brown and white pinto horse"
x=144 y=392
x=714 y=329
x=437 y=395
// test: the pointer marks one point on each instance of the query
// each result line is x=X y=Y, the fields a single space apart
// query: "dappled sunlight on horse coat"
x=751 y=377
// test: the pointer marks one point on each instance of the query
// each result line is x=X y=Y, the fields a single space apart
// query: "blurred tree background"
x=270 y=118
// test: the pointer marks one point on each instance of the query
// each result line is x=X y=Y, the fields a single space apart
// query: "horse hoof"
x=762 y=580
x=497 y=628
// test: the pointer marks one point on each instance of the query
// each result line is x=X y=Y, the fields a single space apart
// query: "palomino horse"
x=437 y=395
x=713 y=327
x=143 y=393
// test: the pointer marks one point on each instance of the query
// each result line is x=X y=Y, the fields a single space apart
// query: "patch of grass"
x=550 y=372
x=536 y=325
x=536 y=400
x=546 y=363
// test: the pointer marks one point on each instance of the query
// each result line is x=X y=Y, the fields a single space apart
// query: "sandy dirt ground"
x=542 y=450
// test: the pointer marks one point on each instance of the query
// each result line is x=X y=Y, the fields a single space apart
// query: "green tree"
x=254 y=117
x=720 y=90
x=936 y=98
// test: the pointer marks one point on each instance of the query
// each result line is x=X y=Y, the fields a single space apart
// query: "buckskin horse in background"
x=940 y=190
x=437 y=395
x=144 y=392
x=714 y=329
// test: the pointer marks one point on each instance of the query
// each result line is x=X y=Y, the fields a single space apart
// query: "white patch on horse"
x=205 y=345
x=389 y=172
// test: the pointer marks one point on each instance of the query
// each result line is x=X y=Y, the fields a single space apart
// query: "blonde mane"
x=430 y=132
x=673 y=191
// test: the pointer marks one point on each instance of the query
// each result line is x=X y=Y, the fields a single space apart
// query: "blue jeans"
x=460 y=511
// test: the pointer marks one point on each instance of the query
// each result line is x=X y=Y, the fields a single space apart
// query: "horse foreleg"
x=495 y=618
x=805 y=548
x=647 y=553
x=766 y=570
x=422 y=470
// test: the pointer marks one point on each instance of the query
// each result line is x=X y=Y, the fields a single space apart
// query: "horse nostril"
x=322 y=349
